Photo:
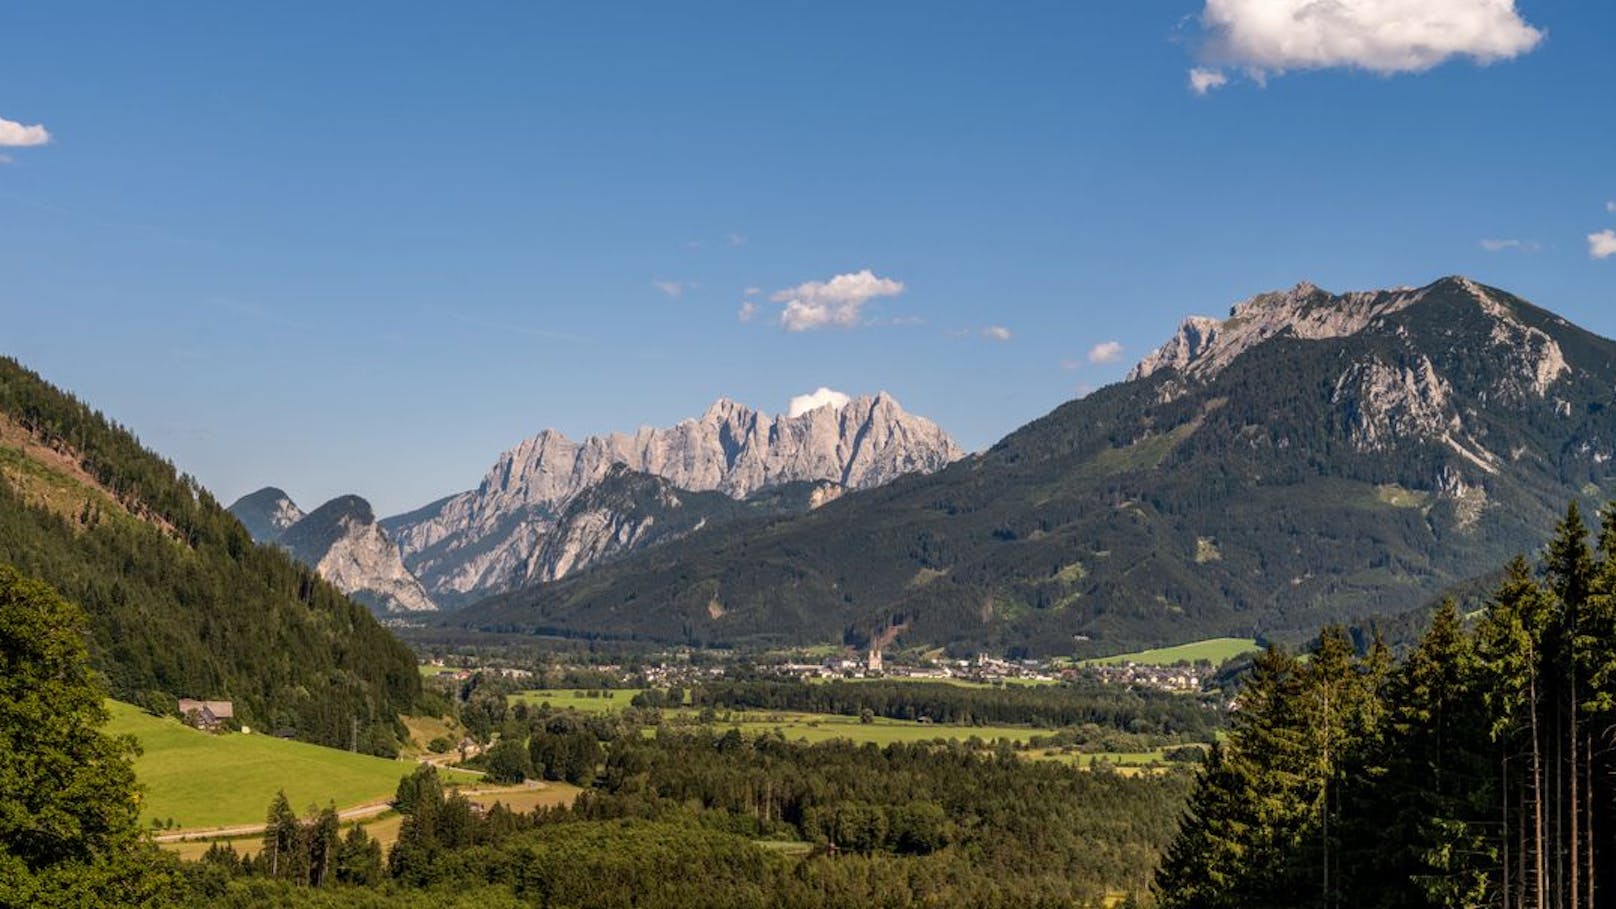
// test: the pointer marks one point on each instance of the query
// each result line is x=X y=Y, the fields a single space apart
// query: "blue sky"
x=365 y=249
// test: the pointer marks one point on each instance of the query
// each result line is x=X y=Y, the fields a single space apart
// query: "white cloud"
x=1510 y=244
x=1611 y=206
x=835 y=303
x=1602 y=245
x=801 y=404
x=1265 y=37
x=1105 y=352
x=673 y=289
x=1203 y=80
x=752 y=291
x=1071 y=365
x=996 y=333
x=13 y=133
x=747 y=312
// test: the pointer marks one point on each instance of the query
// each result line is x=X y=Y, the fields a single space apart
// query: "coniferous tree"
x=359 y=859
x=322 y=846
x=281 y=839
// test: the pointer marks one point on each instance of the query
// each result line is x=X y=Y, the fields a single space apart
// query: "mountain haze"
x=1312 y=456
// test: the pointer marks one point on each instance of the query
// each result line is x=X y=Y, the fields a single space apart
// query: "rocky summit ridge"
x=342 y=541
x=1312 y=457
x=489 y=539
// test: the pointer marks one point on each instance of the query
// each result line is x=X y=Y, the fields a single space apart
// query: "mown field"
x=1213 y=650
x=384 y=827
x=822 y=727
x=580 y=699
x=200 y=780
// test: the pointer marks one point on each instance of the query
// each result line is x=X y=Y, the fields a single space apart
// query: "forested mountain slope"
x=1314 y=456
x=182 y=602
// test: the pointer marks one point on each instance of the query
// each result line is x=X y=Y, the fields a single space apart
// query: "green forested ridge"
x=1164 y=509
x=182 y=603
x=1479 y=771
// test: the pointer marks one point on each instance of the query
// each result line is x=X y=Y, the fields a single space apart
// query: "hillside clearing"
x=200 y=780
x=1213 y=650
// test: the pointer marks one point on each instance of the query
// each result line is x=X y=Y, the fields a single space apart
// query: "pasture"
x=201 y=780
x=1212 y=650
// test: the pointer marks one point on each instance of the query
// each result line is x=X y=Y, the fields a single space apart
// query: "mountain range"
x=550 y=507
x=1313 y=456
x=342 y=541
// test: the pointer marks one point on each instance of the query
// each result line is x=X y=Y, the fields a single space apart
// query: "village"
x=678 y=670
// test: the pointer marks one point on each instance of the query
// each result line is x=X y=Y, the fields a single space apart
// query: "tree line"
x=1043 y=706
x=1479 y=770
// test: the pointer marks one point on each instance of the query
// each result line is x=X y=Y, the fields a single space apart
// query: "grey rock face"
x=485 y=541
x=266 y=513
x=342 y=541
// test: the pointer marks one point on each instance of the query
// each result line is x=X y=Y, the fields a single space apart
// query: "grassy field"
x=384 y=827
x=958 y=683
x=578 y=699
x=1213 y=650
x=203 y=780
x=822 y=727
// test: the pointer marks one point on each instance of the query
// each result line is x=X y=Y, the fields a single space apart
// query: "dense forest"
x=181 y=602
x=1480 y=770
x=677 y=820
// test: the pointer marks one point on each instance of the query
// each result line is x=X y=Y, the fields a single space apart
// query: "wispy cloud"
x=1611 y=206
x=1602 y=245
x=1263 y=38
x=1105 y=352
x=836 y=303
x=747 y=312
x=674 y=289
x=736 y=239
x=16 y=135
x=996 y=333
x=1203 y=80
x=1500 y=245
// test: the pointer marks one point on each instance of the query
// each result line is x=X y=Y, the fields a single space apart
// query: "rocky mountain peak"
x=342 y=541
x=484 y=541
x=1203 y=346
x=266 y=513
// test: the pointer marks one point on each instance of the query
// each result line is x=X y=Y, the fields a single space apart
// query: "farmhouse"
x=208 y=715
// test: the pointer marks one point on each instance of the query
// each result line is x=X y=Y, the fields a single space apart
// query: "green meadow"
x=1213 y=650
x=578 y=698
x=198 y=779
x=824 y=727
